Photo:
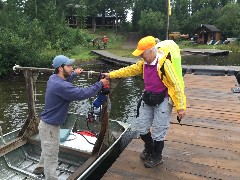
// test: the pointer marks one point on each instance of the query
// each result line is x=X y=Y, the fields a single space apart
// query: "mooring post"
x=1 y=133
x=31 y=78
x=104 y=127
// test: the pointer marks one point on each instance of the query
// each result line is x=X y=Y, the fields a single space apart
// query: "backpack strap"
x=162 y=67
x=162 y=70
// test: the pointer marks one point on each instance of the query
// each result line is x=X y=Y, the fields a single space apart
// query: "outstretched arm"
x=73 y=93
x=76 y=72
x=132 y=70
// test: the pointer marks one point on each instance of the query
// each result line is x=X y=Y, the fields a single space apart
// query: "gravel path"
x=132 y=40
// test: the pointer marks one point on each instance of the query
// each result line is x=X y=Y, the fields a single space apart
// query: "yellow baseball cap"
x=144 y=44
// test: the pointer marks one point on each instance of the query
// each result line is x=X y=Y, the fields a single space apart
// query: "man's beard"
x=65 y=73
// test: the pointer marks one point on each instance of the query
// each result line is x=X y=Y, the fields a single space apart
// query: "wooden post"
x=30 y=78
x=167 y=29
x=1 y=134
x=104 y=126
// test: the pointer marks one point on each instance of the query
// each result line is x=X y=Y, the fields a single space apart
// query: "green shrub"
x=21 y=46
x=31 y=45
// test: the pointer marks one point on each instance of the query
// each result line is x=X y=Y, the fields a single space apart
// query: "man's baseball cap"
x=144 y=44
x=60 y=60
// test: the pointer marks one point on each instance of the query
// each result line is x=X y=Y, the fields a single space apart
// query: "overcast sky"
x=129 y=15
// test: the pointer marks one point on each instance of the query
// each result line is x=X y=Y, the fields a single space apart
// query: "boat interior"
x=18 y=162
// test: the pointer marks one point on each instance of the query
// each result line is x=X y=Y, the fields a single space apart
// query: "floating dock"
x=209 y=52
x=205 y=146
x=188 y=69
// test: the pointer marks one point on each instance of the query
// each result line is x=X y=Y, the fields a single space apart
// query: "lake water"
x=13 y=105
x=233 y=59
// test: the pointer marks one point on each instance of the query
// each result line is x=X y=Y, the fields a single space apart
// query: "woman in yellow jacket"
x=161 y=87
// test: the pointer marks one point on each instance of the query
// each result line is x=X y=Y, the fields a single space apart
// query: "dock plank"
x=206 y=146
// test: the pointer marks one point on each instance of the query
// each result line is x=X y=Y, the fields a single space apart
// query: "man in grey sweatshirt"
x=59 y=93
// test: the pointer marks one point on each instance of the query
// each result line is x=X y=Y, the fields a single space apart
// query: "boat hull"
x=74 y=162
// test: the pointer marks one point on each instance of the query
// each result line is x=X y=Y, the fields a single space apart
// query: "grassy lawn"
x=116 y=43
x=187 y=44
x=122 y=52
x=234 y=47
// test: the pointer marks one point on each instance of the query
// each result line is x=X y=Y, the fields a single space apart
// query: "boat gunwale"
x=101 y=157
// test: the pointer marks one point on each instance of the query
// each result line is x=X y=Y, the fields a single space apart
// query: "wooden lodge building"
x=206 y=33
x=110 y=22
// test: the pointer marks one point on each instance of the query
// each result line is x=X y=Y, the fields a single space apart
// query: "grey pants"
x=157 y=117
x=50 y=138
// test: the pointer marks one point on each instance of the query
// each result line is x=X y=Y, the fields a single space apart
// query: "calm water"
x=233 y=59
x=13 y=105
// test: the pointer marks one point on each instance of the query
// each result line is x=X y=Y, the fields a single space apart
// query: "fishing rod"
x=36 y=69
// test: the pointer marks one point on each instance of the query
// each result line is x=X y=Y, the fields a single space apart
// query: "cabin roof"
x=208 y=27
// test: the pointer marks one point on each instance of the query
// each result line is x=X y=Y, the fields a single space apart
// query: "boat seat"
x=74 y=144
x=64 y=133
x=70 y=121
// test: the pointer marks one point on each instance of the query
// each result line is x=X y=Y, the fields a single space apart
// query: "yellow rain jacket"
x=170 y=80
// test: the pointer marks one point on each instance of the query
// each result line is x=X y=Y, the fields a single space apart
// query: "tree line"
x=34 y=31
x=186 y=15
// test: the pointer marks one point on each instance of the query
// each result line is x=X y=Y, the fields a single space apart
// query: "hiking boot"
x=153 y=161
x=145 y=155
x=147 y=138
x=156 y=156
x=38 y=170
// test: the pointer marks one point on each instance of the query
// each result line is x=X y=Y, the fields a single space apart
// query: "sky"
x=129 y=15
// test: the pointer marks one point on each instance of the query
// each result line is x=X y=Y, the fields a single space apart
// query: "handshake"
x=105 y=80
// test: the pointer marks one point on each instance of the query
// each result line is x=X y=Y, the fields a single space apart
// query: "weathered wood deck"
x=206 y=146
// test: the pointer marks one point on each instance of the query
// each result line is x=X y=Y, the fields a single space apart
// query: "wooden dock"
x=189 y=69
x=208 y=52
x=112 y=58
x=205 y=146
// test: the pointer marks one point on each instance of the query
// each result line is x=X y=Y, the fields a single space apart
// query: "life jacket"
x=172 y=52
x=104 y=39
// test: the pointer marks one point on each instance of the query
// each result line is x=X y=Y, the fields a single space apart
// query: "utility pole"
x=36 y=8
x=168 y=14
